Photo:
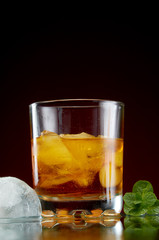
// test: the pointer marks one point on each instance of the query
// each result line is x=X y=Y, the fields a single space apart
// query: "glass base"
x=82 y=208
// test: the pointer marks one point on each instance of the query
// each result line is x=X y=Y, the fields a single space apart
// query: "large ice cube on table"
x=17 y=199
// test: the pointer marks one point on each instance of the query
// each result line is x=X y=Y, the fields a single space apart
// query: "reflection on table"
x=146 y=227
x=102 y=229
x=85 y=230
x=20 y=229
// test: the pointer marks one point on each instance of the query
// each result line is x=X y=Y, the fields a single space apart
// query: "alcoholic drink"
x=77 y=167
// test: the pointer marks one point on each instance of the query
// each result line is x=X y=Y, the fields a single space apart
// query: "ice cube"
x=17 y=199
x=89 y=152
x=55 y=163
x=84 y=178
x=110 y=176
x=77 y=136
x=50 y=150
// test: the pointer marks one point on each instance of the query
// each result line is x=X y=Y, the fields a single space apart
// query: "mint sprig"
x=142 y=200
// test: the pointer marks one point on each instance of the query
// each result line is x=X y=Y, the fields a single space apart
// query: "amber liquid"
x=75 y=167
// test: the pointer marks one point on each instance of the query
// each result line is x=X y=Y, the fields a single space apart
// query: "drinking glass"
x=77 y=156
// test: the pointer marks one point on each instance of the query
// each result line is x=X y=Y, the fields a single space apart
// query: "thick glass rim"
x=70 y=103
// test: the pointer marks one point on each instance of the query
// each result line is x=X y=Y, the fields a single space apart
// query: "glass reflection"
x=85 y=230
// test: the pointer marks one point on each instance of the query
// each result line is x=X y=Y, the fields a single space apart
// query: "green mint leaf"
x=131 y=199
x=138 y=210
x=141 y=200
x=127 y=209
x=149 y=198
x=138 y=198
x=142 y=187
x=154 y=209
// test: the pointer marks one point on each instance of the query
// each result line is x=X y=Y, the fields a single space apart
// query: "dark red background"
x=74 y=59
